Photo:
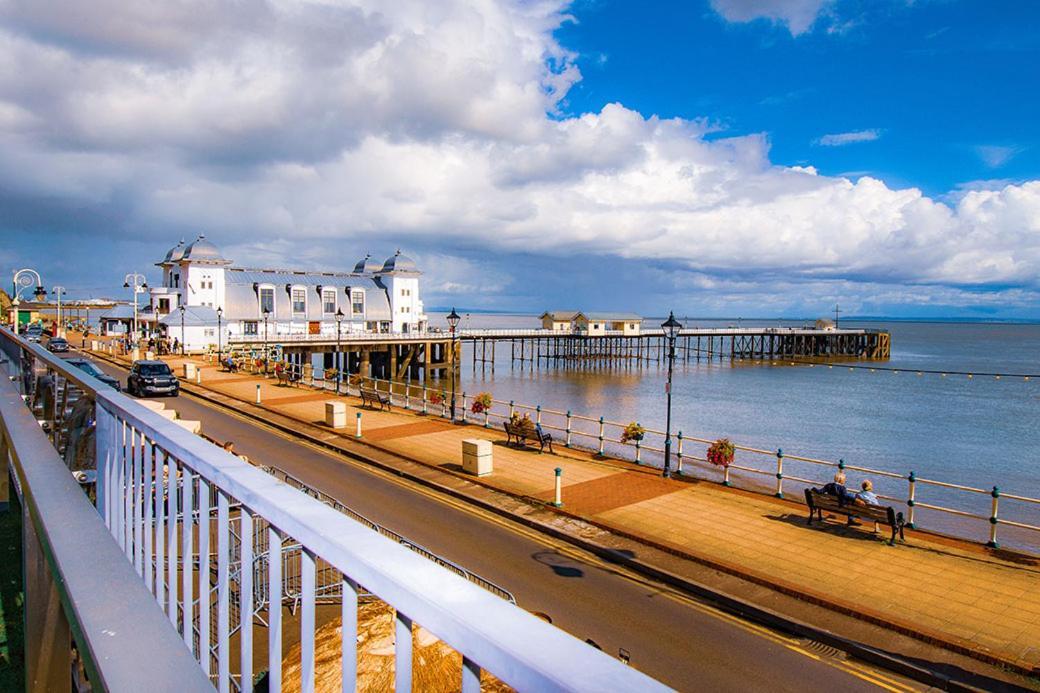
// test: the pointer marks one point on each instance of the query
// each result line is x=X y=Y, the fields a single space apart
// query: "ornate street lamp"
x=267 y=312
x=339 y=369
x=182 y=308
x=453 y=322
x=220 y=314
x=671 y=328
x=139 y=285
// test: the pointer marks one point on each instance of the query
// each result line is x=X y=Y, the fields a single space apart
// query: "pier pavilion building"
x=373 y=298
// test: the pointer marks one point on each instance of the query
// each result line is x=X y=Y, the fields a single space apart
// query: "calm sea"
x=979 y=432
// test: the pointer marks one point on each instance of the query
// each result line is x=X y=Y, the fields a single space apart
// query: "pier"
x=420 y=356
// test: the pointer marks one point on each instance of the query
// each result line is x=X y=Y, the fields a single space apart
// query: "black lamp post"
x=266 y=313
x=182 y=329
x=220 y=314
x=453 y=322
x=339 y=369
x=671 y=328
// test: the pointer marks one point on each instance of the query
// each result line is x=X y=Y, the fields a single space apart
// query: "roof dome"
x=399 y=263
x=174 y=254
x=366 y=265
x=202 y=249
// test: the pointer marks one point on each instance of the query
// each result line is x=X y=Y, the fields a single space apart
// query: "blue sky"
x=949 y=89
x=715 y=157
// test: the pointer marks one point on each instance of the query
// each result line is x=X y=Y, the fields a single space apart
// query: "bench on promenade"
x=820 y=503
x=287 y=377
x=371 y=397
x=521 y=434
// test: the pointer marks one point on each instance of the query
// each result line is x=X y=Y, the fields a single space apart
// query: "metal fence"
x=772 y=471
x=150 y=470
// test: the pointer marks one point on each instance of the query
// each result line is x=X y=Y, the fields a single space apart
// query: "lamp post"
x=671 y=328
x=25 y=278
x=59 y=291
x=453 y=322
x=267 y=312
x=138 y=283
x=220 y=314
x=182 y=309
x=339 y=370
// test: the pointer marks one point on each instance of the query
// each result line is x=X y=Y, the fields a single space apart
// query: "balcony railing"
x=168 y=498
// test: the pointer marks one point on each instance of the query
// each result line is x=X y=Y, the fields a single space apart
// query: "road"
x=681 y=642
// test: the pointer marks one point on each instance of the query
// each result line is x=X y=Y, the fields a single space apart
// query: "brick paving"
x=956 y=592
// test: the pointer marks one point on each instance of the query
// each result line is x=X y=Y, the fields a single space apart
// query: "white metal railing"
x=156 y=486
x=755 y=468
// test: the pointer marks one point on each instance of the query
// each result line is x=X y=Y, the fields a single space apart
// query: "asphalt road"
x=685 y=644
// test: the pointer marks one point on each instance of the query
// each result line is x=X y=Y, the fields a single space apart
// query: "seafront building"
x=375 y=297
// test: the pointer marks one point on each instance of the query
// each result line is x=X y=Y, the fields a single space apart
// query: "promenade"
x=961 y=595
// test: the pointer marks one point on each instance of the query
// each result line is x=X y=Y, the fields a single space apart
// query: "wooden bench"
x=820 y=503
x=370 y=398
x=522 y=434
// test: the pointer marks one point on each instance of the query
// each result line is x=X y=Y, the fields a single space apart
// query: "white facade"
x=372 y=298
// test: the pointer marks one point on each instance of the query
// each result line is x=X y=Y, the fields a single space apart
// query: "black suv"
x=152 y=378
x=89 y=367
x=57 y=344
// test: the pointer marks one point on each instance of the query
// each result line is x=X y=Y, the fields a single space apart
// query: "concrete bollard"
x=258 y=393
x=558 y=502
x=358 y=434
x=198 y=376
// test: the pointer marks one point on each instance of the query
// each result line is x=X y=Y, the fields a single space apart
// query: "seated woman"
x=867 y=496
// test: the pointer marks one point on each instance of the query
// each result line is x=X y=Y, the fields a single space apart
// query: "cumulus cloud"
x=797 y=15
x=840 y=139
x=317 y=130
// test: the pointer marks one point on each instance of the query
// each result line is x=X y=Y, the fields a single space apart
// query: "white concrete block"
x=192 y=426
x=336 y=414
x=477 y=457
x=476 y=446
x=189 y=371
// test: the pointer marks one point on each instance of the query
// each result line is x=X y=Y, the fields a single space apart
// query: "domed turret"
x=366 y=265
x=203 y=251
x=399 y=263
x=173 y=254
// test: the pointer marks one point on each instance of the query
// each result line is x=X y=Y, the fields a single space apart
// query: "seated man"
x=837 y=488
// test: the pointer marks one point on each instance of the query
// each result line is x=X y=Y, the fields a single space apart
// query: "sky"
x=723 y=158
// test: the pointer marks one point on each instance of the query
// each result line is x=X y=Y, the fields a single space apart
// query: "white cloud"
x=797 y=15
x=840 y=139
x=996 y=156
x=318 y=130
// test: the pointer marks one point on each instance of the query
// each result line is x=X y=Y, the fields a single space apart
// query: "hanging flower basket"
x=357 y=380
x=481 y=403
x=436 y=397
x=721 y=452
x=329 y=374
x=633 y=431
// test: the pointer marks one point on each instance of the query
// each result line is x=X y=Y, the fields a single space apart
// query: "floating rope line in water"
x=918 y=371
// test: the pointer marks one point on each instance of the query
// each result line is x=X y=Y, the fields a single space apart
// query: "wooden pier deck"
x=422 y=355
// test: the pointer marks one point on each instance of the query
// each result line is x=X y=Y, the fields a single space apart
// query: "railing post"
x=258 y=393
x=558 y=495
x=358 y=434
x=638 y=449
x=487 y=415
x=567 y=441
x=910 y=501
x=992 y=543
x=463 y=407
x=678 y=453
x=779 y=473
x=601 y=428
x=538 y=414
x=424 y=399
x=512 y=409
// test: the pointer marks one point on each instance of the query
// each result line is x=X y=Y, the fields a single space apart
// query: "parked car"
x=57 y=344
x=91 y=369
x=152 y=378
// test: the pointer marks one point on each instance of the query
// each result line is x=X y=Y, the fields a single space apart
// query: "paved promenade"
x=957 y=593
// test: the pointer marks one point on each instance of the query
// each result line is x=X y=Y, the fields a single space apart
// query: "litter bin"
x=476 y=457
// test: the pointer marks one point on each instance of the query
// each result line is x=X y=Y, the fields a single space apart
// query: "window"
x=299 y=300
x=250 y=328
x=209 y=332
x=357 y=302
x=266 y=300
x=164 y=305
x=328 y=301
x=406 y=292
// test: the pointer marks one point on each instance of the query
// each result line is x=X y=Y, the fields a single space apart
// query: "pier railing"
x=167 y=496
x=972 y=512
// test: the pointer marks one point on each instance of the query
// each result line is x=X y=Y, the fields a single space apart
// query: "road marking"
x=583 y=556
